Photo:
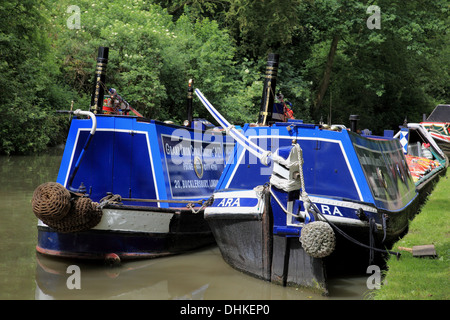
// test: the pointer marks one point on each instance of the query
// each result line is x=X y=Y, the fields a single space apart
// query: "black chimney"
x=189 y=101
x=265 y=114
x=99 y=80
x=353 y=120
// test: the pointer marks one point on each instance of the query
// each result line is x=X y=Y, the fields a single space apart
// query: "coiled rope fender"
x=318 y=239
x=51 y=201
x=54 y=206
x=83 y=215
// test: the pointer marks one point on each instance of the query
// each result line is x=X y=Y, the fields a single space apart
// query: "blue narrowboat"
x=130 y=187
x=293 y=195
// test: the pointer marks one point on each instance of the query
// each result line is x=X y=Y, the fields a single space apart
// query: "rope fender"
x=51 y=201
x=318 y=239
x=56 y=207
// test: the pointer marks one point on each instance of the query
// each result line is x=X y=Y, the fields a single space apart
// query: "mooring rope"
x=190 y=204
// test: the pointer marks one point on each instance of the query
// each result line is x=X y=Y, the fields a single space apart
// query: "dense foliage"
x=331 y=63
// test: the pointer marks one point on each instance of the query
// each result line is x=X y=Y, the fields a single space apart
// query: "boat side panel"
x=329 y=163
x=123 y=159
x=118 y=159
x=100 y=144
x=130 y=233
x=97 y=244
x=68 y=152
x=192 y=161
x=96 y=168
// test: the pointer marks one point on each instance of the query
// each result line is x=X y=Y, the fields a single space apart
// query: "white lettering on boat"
x=229 y=202
x=326 y=210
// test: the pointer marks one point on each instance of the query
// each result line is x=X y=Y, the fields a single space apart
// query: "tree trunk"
x=327 y=74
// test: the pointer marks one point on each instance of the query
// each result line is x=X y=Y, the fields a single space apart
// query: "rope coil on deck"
x=54 y=206
x=83 y=215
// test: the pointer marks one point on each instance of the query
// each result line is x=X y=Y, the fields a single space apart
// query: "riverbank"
x=415 y=278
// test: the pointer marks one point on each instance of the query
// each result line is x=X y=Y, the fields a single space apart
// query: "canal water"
x=200 y=275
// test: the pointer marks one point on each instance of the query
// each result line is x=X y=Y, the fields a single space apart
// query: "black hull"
x=426 y=187
x=249 y=245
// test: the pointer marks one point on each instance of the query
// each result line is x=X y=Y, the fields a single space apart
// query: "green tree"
x=331 y=64
x=381 y=74
x=151 y=56
x=27 y=79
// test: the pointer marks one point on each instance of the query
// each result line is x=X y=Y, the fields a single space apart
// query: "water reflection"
x=19 y=176
x=200 y=275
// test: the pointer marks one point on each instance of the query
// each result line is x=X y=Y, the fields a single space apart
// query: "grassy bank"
x=423 y=278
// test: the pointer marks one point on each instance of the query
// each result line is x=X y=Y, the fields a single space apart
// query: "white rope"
x=282 y=207
x=263 y=155
x=286 y=185
x=292 y=183
x=244 y=141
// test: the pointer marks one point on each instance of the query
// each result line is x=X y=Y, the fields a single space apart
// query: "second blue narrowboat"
x=294 y=195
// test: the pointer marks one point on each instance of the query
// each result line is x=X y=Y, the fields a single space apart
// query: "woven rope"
x=84 y=215
x=51 y=201
x=52 y=204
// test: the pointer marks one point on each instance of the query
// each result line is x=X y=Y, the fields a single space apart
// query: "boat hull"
x=130 y=233
x=244 y=234
x=250 y=247
x=262 y=241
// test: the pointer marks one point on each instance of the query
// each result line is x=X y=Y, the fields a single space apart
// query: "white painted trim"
x=132 y=221
x=341 y=203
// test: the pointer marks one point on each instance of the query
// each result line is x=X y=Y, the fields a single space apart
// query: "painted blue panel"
x=122 y=163
x=116 y=161
x=96 y=168
x=141 y=176
x=135 y=159
x=327 y=171
x=69 y=147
